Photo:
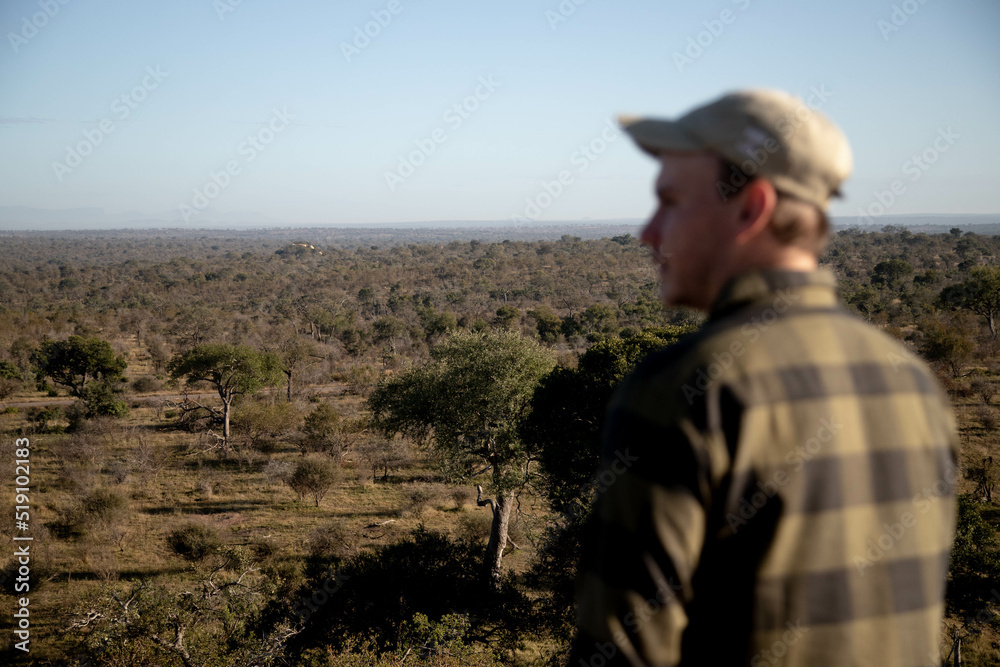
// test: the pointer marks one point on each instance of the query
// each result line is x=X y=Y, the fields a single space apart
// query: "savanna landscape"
x=328 y=447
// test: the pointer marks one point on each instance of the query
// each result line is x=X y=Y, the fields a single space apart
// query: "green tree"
x=547 y=323
x=600 y=318
x=946 y=342
x=9 y=371
x=10 y=379
x=296 y=355
x=327 y=431
x=313 y=477
x=387 y=329
x=78 y=360
x=980 y=293
x=101 y=398
x=891 y=272
x=975 y=557
x=470 y=401
x=232 y=370
x=506 y=317
x=262 y=423
x=564 y=428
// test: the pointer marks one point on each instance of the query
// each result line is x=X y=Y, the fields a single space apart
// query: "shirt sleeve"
x=644 y=541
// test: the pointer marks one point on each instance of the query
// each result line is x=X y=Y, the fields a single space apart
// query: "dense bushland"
x=220 y=479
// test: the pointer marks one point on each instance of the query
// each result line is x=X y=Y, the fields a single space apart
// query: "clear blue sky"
x=349 y=118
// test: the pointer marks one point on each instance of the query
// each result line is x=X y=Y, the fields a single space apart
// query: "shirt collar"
x=804 y=288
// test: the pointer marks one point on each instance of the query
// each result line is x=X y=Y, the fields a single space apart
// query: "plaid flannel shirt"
x=776 y=489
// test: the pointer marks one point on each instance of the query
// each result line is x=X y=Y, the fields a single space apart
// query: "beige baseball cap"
x=766 y=133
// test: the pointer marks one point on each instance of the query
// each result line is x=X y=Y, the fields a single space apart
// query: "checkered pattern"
x=791 y=500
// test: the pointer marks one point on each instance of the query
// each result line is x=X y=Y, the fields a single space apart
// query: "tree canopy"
x=232 y=370
x=469 y=402
x=78 y=360
x=564 y=428
x=470 y=399
x=979 y=293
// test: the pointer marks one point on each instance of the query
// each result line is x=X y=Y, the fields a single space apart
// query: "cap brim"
x=656 y=136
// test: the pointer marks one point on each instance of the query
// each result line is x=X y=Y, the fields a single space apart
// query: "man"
x=792 y=496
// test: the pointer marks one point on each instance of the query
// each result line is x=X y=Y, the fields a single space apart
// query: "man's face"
x=690 y=232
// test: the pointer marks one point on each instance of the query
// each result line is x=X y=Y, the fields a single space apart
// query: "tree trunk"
x=226 y=404
x=288 y=374
x=498 y=535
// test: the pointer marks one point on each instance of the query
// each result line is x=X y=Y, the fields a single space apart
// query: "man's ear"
x=756 y=207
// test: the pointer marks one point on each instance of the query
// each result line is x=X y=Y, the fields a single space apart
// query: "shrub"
x=8 y=386
x=105 y=506
x=988 y=417
x=461 y=496
x=379 y=592
x=384 y=455
x=278 y=471
x=146 y=385
x=331 y=543
x=419 y=497
x=101 y=508
x=262 y=424
x=986 y=390
x=194 y=541
x=475 y=526
x=42 y=416
x=963 y=390
x=313 y=477
x=119 y=472
x=322 y=428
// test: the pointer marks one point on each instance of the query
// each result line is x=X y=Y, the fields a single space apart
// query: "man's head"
x=744 y=183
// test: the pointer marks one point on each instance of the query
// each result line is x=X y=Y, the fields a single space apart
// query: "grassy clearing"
x=168 y=482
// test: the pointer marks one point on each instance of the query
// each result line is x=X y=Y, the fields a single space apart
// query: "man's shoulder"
x=754 y=343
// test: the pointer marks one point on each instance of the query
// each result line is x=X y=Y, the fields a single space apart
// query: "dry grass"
x=168 y=483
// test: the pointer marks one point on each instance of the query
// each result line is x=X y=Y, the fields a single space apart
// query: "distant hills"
x=23 y=218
